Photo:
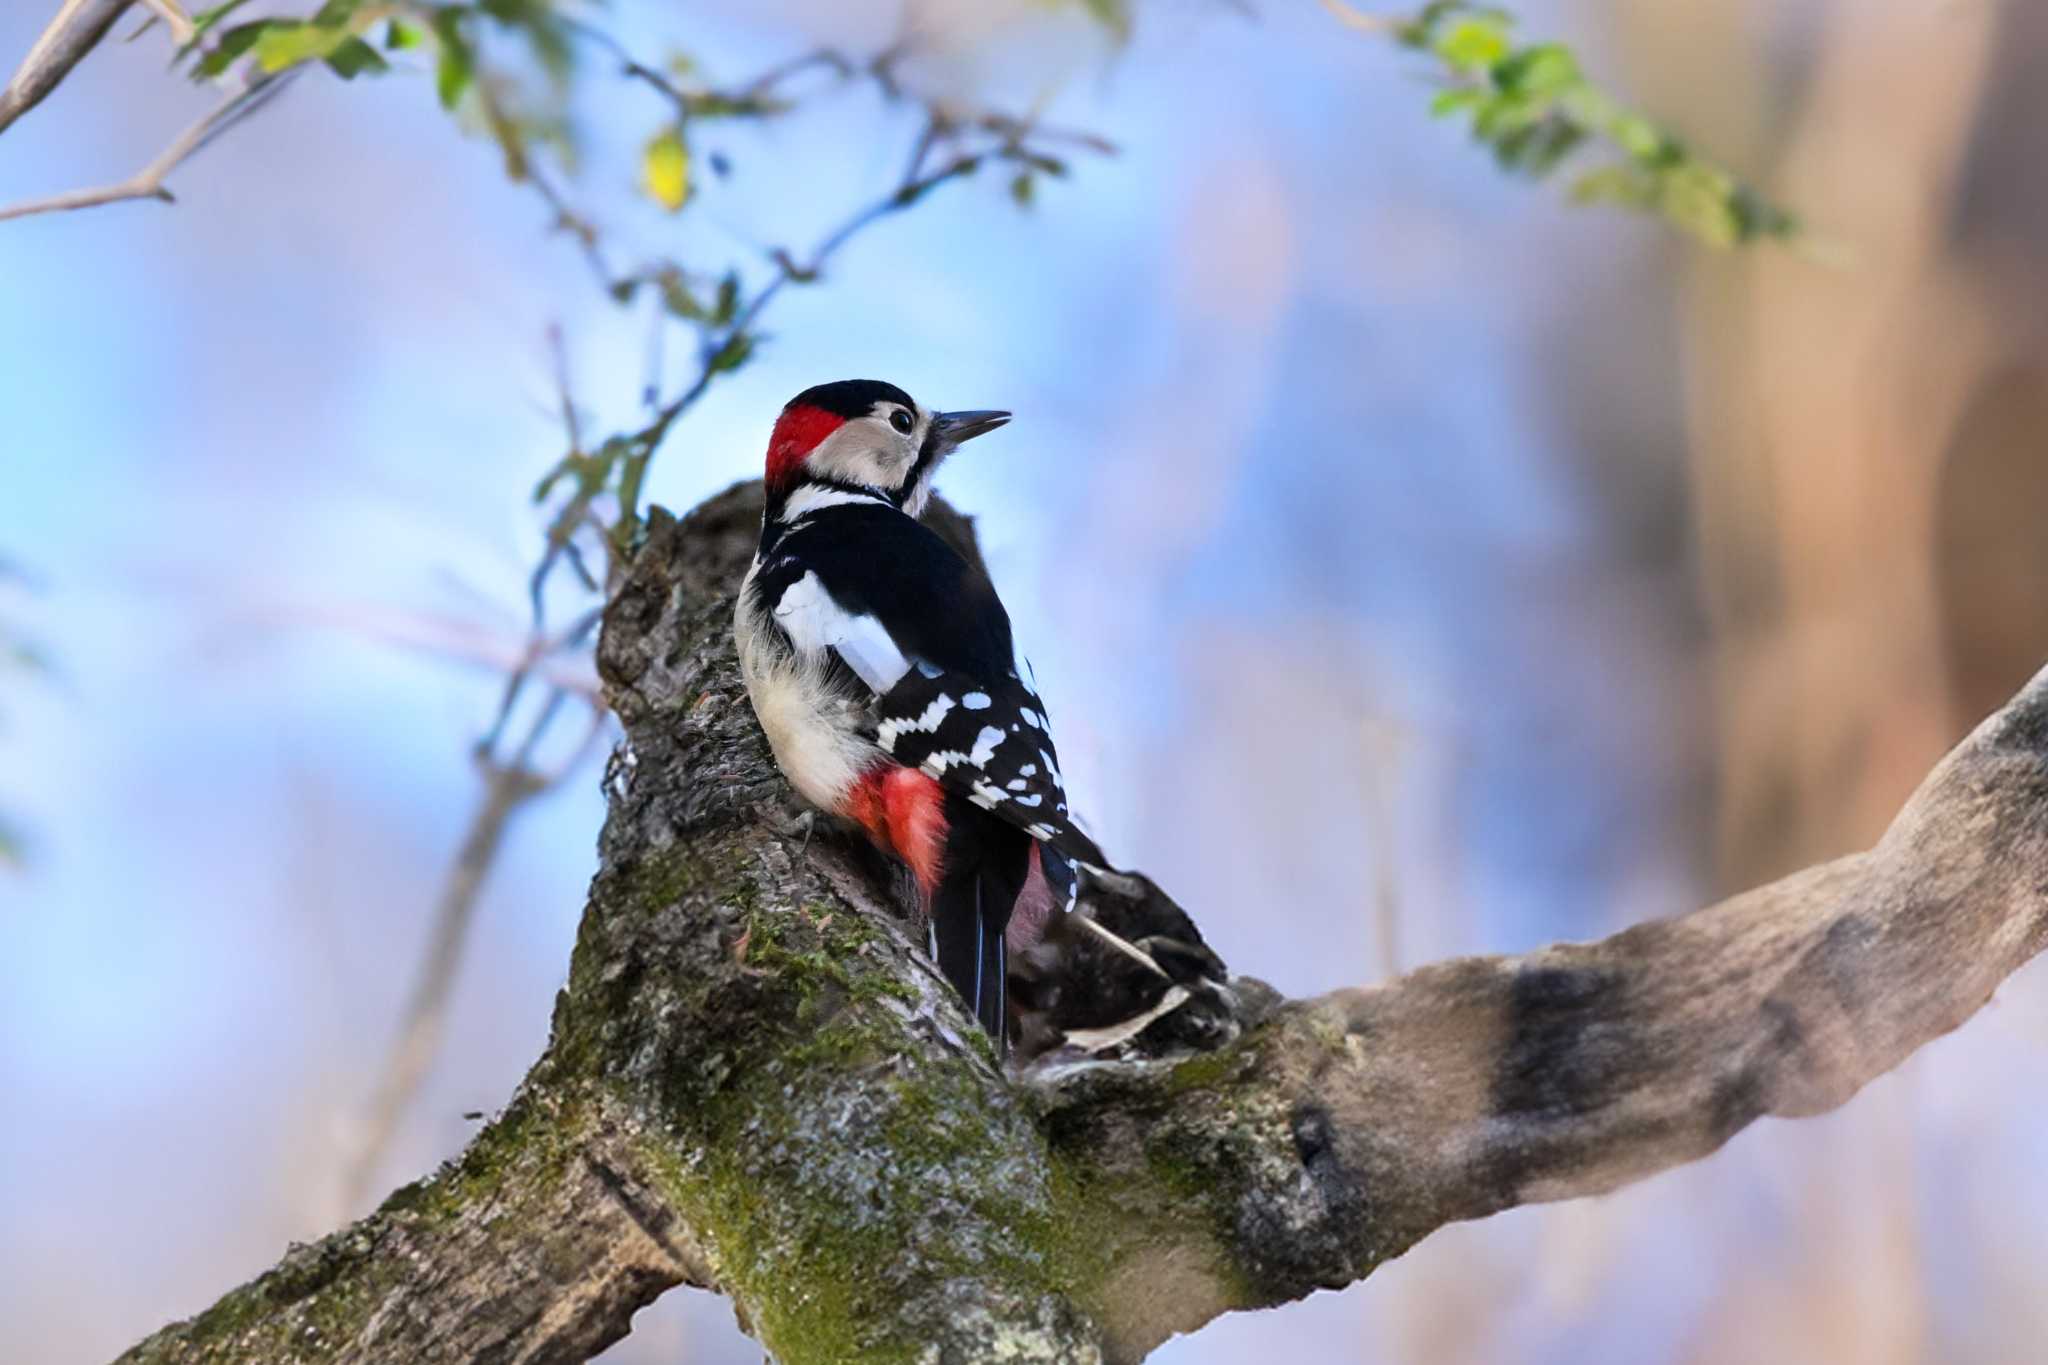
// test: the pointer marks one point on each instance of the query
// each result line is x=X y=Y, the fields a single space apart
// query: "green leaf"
x=1545 y=70
x=1700 y=200
x=1448 y=102
x=1023 y=189
x=677 y=298
x=353 y=57
x=1534 y=108
x=455 y=67
x=204 y=21
x=1505 y=115
x=336 y=13
x=1620 y=184
x=1537 y=149
x=1757 y=217
x=736 y=351
x=728 y=302
x=233 y=43
x=1637 y=136
x=1114 y=15
x=1474 y=44
x=400 y=36
x=665 y=169
x=543 y=30
x=286 y=45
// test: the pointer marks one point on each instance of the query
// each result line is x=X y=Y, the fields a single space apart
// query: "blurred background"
x=1415 y=565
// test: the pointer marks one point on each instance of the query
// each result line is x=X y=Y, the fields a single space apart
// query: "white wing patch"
x=816 y=623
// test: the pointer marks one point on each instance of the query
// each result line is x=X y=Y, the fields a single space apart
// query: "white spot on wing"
x=985 y=746
x=975 y=701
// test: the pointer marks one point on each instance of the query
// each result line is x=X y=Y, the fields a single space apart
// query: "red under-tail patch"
x=797 y=433
x=904 y=812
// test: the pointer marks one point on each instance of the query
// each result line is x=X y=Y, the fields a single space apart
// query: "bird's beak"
x=954 y=427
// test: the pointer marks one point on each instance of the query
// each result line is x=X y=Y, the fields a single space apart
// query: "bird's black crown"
x=851 y=397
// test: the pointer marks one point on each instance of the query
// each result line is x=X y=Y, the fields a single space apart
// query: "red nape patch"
x=797 y=433
x=904 y=812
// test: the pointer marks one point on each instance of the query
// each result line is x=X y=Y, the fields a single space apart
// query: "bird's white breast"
x=816 y=732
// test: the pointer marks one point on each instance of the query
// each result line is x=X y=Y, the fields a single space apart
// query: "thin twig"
x=754 y=97
x=789 y=271
x=1352 y=17
x=419 y=1036
x=148 y=183
x=571 y=423
x=577 y=226
x=174 y=17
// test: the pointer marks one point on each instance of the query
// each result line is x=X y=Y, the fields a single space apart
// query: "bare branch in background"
x=1352 y=17
x=508 y=785
x=561 y=661
x=148 y=183
x=75 y=30
x=756 y=1083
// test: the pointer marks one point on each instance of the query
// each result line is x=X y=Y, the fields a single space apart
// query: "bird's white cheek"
x=852 y=455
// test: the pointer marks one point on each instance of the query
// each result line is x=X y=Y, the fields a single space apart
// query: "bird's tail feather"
x=968 y=914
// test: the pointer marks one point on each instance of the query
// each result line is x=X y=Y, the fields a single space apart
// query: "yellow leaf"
x=665 y=170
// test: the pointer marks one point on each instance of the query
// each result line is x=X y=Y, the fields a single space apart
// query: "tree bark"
x=755 y=1082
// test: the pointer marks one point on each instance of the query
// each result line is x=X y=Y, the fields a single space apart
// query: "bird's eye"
x=902 y=421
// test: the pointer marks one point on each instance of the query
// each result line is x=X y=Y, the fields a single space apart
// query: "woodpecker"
x=881 y=666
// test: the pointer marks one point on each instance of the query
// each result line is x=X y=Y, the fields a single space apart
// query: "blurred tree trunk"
x=1822 y=402
x=1825 y=402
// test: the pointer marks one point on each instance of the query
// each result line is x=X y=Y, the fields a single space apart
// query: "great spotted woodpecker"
x=881 y=666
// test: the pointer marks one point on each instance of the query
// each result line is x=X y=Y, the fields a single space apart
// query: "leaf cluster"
x=1533 y=106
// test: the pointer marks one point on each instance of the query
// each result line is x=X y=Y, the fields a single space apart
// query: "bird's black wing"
x=950 y=697
x=987 y=739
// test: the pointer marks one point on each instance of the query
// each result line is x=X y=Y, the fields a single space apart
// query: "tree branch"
x=755 y=1082
x=148 y=183
x=73 y=31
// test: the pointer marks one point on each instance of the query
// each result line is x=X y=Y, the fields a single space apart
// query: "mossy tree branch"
x=755 y=1083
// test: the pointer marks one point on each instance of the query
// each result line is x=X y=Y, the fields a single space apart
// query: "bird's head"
x=867 y=435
